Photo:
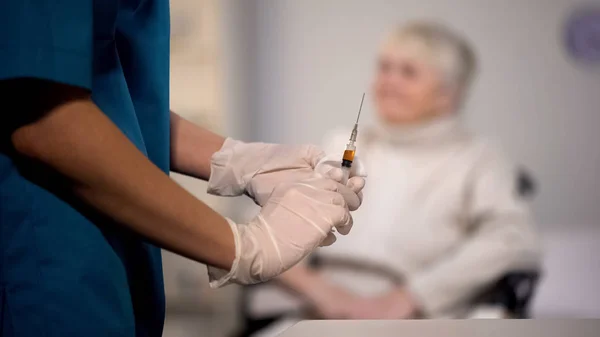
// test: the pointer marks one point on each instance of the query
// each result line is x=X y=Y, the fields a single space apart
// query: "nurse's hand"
x=257 y=168
x=296 y=219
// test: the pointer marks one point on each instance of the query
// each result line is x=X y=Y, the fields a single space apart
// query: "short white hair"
x=447 y=50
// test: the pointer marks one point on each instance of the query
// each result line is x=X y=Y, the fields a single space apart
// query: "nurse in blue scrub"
x=86 y=144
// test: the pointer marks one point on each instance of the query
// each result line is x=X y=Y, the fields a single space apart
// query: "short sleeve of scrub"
x=51 y=40
x=66 y=269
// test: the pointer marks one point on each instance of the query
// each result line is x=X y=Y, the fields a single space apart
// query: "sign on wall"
x=583 y=34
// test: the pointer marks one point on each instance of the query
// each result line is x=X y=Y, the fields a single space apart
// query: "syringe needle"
x=360 y=109
x=348 y=157
x=355 y=128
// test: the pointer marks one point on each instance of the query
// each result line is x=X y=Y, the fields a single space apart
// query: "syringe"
x=348 y=157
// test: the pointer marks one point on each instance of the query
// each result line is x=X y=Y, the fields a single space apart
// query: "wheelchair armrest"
x=526 y=184
x=513 y=292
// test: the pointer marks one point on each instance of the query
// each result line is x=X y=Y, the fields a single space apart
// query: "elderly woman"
x=442 y=218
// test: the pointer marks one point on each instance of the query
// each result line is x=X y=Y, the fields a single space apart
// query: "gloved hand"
x=293 y=222
x=330 y=166
x=256 y=168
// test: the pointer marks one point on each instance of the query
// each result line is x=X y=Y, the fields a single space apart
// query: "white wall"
x=238 y=27
x=313 y=59
x=571 y=274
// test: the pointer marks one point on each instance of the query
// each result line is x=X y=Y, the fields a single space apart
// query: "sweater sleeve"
x=501 y=238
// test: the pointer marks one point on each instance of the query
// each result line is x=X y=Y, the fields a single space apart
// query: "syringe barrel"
x=348 y=157
x=345 y=175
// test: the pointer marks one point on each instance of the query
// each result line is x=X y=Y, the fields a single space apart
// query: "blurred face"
x=407 y=88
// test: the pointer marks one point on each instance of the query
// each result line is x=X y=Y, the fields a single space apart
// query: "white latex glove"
x=334 y=161
x=256 y=168
x=292 y=223
x=330 y=167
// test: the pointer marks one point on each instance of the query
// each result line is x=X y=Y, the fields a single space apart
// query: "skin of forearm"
x=303 y=281
x=192 y=147
x=110 y=174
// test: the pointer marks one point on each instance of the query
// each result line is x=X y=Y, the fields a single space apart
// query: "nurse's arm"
x=186 y=156
x=60 y=128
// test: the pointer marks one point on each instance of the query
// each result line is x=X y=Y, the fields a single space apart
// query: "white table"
x=446 y=328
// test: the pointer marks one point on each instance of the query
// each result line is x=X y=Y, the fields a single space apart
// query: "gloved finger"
x=358 y=168
x=314 y=155
x=353 y=201
x=320 y=183
x=329 y=240
x=339 y=200
x=356 y=183
x=338 y=217
x=345 y=228
x=329 y=162
x=360 y=196
x=335 y=174
x=341 y=219
x=326 y=164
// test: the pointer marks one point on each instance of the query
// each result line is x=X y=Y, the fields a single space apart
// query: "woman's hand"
x=336 y=303
x=396 y=304
x=325 y=299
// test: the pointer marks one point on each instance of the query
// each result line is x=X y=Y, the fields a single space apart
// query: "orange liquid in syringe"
x=348 y=158
x=349 y=155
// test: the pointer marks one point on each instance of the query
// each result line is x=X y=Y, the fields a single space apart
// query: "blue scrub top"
x=65 y=270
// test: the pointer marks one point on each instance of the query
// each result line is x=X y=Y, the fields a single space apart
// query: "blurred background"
x=289 y=71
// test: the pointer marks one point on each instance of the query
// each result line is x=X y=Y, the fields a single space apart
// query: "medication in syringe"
x=348 y=156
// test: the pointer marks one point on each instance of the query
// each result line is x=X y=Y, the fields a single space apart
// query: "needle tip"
x=360 y=109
